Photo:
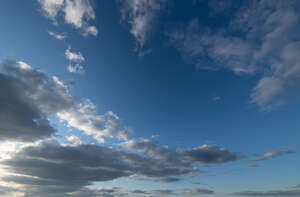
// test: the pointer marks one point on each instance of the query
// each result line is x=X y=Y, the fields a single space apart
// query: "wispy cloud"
x=141 y=15
x=77 y=13
x=272 y=154
x=57 y=36
x=252 y=43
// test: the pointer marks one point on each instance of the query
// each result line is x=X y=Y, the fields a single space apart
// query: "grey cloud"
x=31 y=97
x=56 y=169
x=209 y=154
x=280 y=193
x=28 y=100
x=197 y=191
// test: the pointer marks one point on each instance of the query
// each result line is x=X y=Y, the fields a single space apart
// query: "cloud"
x=209 y=154
x=51 y=7
x=32 y=98
x=197 y=191
x=74 y=140
x=272 y=154
x=28 y=100
x=141 y=15
x=76 y=59
x=57 y=36
x=77 y=13
x=74 y=56
x=280 y=193
x=151 y=149
x=77 y=68
x=52 y=168
x=261 y=38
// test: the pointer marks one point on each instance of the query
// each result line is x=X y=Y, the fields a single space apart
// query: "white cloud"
x=57 y=36
x=74 y=140
x=91 y=30
x=74 y=56
x=77 y=13
x=77 y=68
x=262 y=38
x=85 y=118
x=141 y=14
x=51 y=7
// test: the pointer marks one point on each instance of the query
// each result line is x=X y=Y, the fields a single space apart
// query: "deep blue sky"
x=198 y=77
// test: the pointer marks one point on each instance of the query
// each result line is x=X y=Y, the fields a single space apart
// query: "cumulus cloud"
x=141 y=15
x=28 y=100
x=77 y=13
x=261 y=38
x=32 y=98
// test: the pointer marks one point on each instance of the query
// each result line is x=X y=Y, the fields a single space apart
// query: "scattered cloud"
x=271 y=154
x=77 y=68
x=75 y=58
x=209 y=154
x=280 y=193
x=141 y=15
x=77 y=13
x=197 y=191
x=57 y=36
x=261 y=38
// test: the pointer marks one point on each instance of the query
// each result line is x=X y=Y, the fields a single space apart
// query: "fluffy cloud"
x=74 y=56
x=32 y=98
x=77 y=13
x=74 y=140
x=141 y=14
x=28 y=100
x=261 y=37
x=76 y=59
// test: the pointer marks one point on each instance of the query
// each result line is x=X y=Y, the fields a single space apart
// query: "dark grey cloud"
x=209 y=154
x=280 y=193
x=56 y=169
x=31 y=98
x=27 y=100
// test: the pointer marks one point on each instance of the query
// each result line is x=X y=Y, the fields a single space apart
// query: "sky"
x=149 y=98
